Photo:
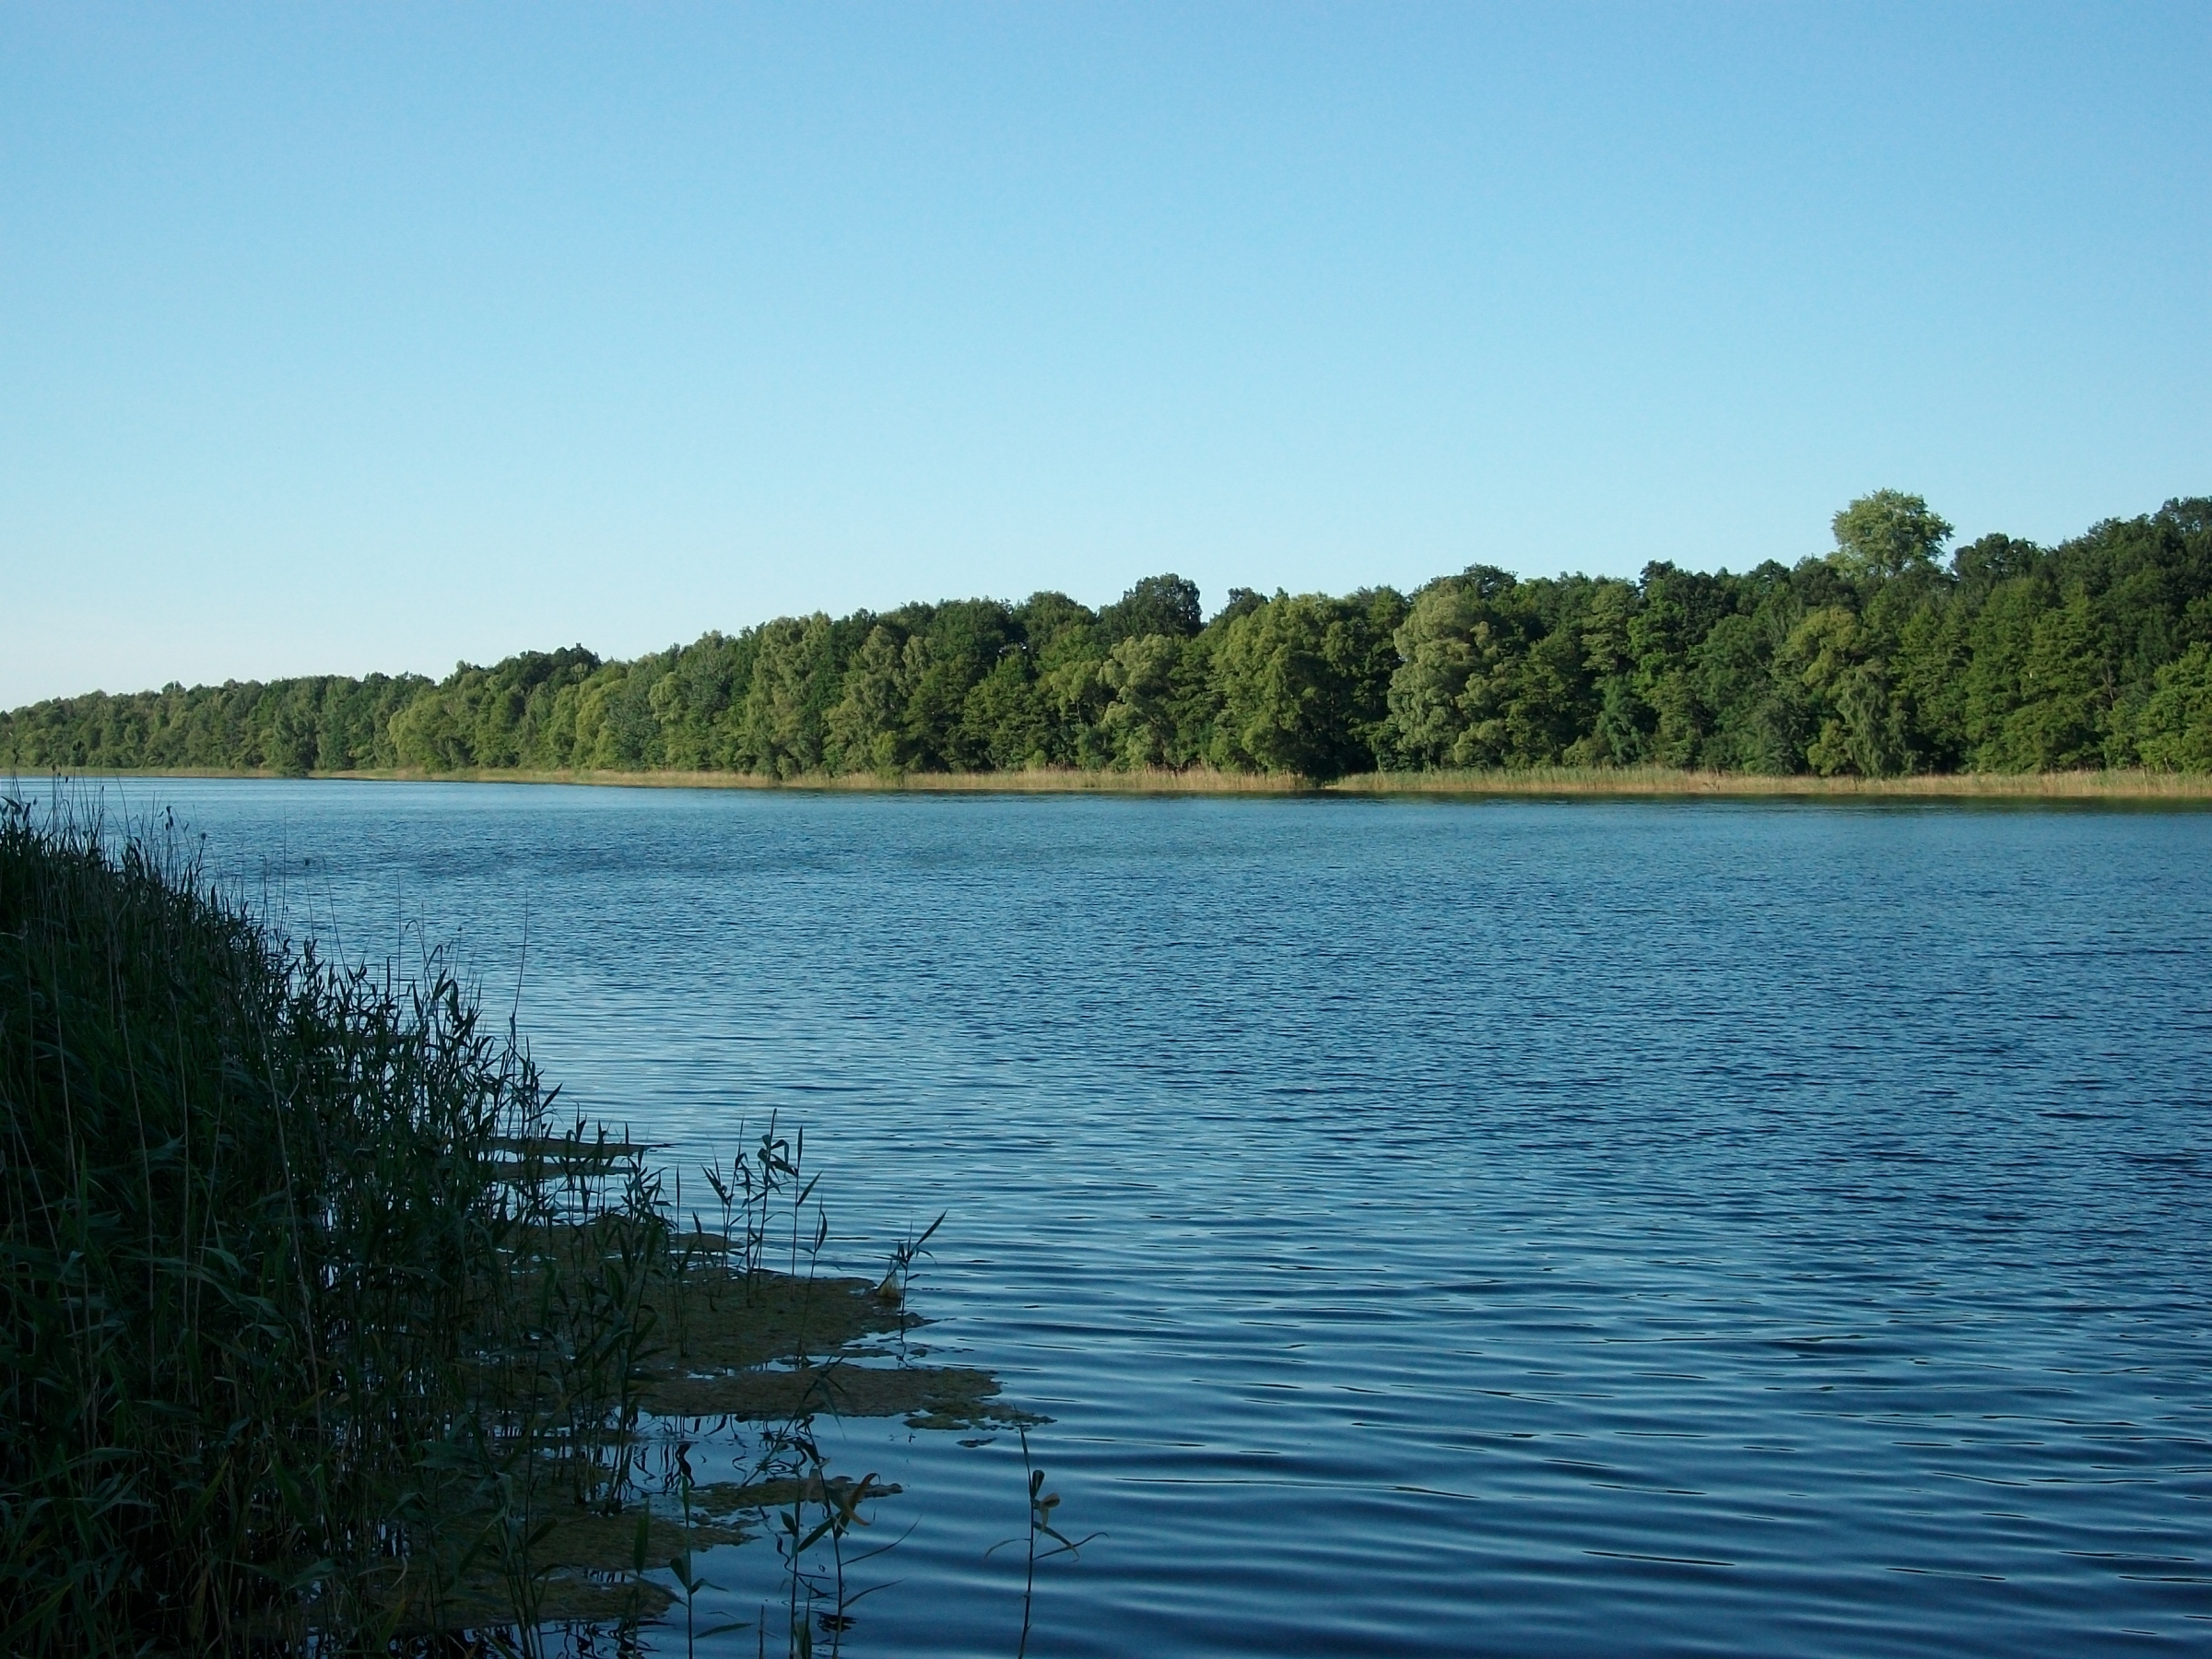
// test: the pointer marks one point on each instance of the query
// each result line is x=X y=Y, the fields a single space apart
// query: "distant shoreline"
x=1593 y=783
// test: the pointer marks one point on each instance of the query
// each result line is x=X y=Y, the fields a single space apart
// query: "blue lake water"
x=1433 y=1228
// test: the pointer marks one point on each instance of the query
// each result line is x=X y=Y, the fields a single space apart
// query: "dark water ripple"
x=1436 y=1228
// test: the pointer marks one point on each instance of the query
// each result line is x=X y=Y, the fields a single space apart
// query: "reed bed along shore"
x=1659 y=780
x=320 y=1332
x=1154 y=779
x=1555 y=782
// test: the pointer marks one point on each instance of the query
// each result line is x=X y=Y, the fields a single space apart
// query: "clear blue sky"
x=343 y=338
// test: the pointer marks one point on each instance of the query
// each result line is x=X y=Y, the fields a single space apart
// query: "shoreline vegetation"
x=1884 y=659
x=1651 y=782
x=320 y=1332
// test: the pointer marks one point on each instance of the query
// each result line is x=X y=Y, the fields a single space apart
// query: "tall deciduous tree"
x=1889 y=534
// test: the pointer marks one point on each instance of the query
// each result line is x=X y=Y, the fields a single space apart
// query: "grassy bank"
x=319 y=1332
x=1656 y=781
x=2130 y=785
x=1159 y=780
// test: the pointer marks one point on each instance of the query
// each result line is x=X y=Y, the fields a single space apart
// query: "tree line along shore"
x=1883 y=660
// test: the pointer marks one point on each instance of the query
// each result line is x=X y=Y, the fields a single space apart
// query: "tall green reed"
x=320 y=1332
x=307 y=1308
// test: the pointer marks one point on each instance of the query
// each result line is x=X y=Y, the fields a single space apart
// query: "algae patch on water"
x=768 y=1344
x=742 y=1360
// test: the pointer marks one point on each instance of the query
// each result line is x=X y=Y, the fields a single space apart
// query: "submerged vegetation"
x=1884 y=658
x=320 y=1331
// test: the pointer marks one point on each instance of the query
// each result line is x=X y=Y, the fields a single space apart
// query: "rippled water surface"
x=1433 y=1228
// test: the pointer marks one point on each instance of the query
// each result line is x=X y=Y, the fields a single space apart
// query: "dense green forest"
x=1881 y=658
